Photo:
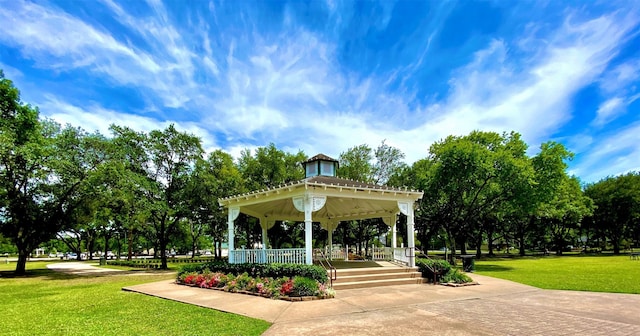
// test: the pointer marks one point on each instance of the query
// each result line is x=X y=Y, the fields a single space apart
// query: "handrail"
x=333 y=273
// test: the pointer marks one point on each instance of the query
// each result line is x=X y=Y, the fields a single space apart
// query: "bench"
x=634 y=256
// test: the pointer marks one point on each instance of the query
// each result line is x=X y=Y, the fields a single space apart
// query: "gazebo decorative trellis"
x=324 y=198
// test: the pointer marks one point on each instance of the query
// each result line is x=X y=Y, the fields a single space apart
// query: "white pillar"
x=411 y=238
x=308 y=242
x=394 y=239
x=233 y=214
x=330 y=240
x=265 y=239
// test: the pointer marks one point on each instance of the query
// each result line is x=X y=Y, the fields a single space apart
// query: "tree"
x=562 y=214
x=355 y=164
x=43 y=173
x=472 y=176
x=617 y=207
x=388 y=163
x=549 y=173
x=172 y=156
x=212 y=179
x=124 y=186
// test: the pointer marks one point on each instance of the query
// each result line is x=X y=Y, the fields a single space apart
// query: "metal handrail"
x=333 y=272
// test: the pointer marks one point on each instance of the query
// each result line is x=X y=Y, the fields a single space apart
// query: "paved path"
x=496 y=307
x=79 y=268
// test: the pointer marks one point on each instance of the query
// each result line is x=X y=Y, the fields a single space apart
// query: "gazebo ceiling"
x=345 y=200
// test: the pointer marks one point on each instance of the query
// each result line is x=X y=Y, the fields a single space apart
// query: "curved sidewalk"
x=496 y=307
x=79 y=268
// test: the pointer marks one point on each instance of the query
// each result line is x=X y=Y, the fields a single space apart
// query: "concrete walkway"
x=79 y=268
x=496 y=307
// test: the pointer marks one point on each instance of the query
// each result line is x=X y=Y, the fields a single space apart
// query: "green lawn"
x=614 y=274
x=51 y=303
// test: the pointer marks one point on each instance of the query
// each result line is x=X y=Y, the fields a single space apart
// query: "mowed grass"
x=613 y=274
x=52 y=303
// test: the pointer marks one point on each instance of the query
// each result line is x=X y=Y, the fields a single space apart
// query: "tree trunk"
x=119 y=247
x=21 y=266
x=130 y=243
x=463 y=245
x=490 y=241
x=478 y=246
x=452 y=246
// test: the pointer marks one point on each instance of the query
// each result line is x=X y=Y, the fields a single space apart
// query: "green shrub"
x=261 y=270
x=427 y=266
x=303 y=286
x=456 y=276
x=449 y=274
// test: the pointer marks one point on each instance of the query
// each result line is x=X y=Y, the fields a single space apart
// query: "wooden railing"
x=400 y=255
x=381 y=253
x=268 y=256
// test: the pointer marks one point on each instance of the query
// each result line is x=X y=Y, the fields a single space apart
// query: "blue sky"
x=327 y=75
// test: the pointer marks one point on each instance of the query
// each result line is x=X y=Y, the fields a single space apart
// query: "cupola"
x=320 y=165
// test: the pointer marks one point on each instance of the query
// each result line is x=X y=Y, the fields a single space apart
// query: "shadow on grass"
x=492 y=268
x=47 y=274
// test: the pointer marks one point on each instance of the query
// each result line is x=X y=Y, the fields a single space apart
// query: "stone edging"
x=453 y=284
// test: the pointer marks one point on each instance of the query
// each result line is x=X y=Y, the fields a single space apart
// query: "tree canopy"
x=160 y=190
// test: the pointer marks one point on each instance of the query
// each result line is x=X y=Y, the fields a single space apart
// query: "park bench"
x=634 y=256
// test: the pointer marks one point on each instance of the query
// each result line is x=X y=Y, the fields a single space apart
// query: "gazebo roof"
x=321 y=157
x=346 y=199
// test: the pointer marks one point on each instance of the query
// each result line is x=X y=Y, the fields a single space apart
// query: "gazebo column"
x=265 y=239
x=266 y=224
x=308 y=204
x=233 y=214
x=331 y=226
x=394 y=238
x=308 y=226
x=407 y=209
x=391 y=221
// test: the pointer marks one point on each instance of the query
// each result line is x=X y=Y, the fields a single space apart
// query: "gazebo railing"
x=268 y=256
x=380 y=253
x=400 y=255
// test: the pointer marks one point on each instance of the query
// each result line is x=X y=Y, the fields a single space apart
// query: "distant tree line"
x=65 y=188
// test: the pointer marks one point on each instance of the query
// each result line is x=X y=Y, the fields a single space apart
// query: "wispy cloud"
x=254 y=82
x=616 y=153
x=96 y=118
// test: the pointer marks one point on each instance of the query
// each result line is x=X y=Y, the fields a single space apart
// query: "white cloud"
x=612 y=109
x=291 y=89
x=619 y=79
x=96 y=118
x=616 y=153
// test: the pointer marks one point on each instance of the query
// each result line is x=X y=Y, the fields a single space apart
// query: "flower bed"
x=293 y=289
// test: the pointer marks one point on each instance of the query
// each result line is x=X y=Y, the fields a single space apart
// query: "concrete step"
x=378 y=283
x=375 y=270
x=377 y=276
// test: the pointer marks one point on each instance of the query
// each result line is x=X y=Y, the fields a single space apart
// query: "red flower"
x=287 y=287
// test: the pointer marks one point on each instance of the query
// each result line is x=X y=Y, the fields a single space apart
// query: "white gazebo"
x=323 y=198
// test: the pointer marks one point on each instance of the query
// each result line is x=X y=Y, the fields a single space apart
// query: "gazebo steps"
x=377 y=277
x=378 y=283
x=375 y=270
